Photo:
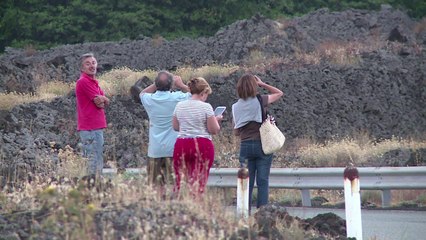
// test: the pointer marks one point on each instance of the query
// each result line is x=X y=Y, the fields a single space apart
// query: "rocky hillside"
x=341 y=72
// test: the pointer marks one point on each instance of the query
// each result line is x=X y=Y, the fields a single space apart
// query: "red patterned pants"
x=192 y=160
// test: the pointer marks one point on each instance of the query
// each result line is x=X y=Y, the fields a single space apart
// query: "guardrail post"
x=386 y=198
x=352 y=203
x=306 y=198
x=243 y=193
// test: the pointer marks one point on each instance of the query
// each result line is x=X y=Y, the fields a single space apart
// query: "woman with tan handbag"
x=248 y=117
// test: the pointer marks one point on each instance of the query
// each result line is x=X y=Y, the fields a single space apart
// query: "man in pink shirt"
x=91 y=119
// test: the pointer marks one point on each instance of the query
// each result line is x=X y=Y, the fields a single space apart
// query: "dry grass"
x=55 y=88
x=420 y=26
x=9 y=100
x=75 y=207
x=79 y=210
x=30 y=50
x=207 y=71
x=336 y=153
x=360 y=150
x=226 y=150
x=294 y=231
x=352 y=151
x=308 y=58
x=339 y=53
x=288 y=197
x=126 y=208
x=371 y=197
x=119 y=81
x=157 y=40
x=46 y=92
x=400 y=198
x=415 y=196
x=255 y=58
x=115 y=82
x=70 y=165
x=292 y=197
x=257 y=62
x=283 y=23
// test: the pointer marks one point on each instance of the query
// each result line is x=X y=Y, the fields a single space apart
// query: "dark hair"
x=247 y=86
x=164 y=83
x=199 y=85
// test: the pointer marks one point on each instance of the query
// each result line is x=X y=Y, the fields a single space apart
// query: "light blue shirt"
x=160 y=107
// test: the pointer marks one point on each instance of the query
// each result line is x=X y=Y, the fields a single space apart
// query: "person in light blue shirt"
x=160 y=102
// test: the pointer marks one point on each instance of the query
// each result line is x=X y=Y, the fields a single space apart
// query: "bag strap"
x=264 y=113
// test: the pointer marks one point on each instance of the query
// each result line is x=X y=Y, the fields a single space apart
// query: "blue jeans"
x=93 y=148
x=259 y=166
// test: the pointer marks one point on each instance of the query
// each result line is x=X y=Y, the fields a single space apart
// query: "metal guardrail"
x=305 y=179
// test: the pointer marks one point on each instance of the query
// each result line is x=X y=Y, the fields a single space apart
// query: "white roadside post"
x=243 y=193
x=352 y=203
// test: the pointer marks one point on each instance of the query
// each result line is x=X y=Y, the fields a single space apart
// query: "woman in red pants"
x=195 y=121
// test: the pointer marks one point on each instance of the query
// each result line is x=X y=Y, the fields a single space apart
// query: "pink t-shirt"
x=89 y=116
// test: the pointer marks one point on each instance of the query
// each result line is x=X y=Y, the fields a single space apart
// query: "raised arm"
x=179 y=84
x=150 y=89
x=274 y=93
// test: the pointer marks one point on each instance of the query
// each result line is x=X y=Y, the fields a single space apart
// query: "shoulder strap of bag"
x=264 y=115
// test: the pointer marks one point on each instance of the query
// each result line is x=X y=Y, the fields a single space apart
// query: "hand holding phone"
x=219 y=110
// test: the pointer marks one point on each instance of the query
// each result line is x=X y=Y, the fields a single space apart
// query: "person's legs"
x=99 y=150
x=263 y=167
x=190 y=162
x=160 y=171
x=204 y=160
x=167 y=170
x=178 y=159
x=160 y=174
x=247 y=157
x=87 y=139
x=192 y=159
x=252 y=176
x=184 y=161
x=153 y=170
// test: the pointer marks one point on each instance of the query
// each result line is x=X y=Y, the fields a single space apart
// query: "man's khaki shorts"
x=160 y=171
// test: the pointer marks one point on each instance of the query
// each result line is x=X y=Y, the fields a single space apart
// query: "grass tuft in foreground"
x=65 y=204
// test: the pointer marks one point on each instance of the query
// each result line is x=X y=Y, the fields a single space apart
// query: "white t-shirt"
x=192 y=116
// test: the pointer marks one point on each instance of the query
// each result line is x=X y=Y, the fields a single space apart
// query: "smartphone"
x=219 y=110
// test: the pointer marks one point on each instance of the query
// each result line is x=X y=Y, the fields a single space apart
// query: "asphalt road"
x=379 y=224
